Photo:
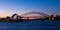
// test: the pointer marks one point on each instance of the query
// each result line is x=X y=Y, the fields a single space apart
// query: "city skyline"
x=9 y=7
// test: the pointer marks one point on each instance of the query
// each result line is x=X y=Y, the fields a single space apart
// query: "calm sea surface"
x=31 y=25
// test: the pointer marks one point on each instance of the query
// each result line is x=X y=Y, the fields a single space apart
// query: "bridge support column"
x=27 y=18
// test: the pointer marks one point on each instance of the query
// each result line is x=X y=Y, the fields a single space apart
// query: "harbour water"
x=31 y=25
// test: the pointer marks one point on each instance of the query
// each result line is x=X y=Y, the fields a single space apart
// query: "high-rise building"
x=52 y=17
x=57 y=17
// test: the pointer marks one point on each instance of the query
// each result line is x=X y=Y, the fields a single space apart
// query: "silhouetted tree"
x=8 y=17
x=47 y=18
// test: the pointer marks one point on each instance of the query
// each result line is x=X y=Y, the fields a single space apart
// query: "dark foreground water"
x=31 y=25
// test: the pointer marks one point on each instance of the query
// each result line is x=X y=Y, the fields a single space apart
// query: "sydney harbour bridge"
x=30 y=15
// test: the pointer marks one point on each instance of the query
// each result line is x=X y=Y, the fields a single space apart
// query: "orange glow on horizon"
x=2 y=15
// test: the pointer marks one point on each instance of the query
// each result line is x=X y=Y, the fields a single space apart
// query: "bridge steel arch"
x=43 y=14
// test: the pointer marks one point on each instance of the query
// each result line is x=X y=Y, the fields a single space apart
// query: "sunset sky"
x=9 y=7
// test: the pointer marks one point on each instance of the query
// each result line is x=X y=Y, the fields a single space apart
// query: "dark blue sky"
x=9 y=7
